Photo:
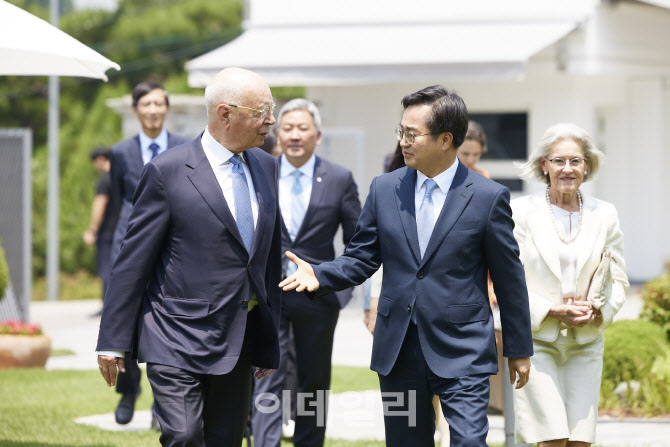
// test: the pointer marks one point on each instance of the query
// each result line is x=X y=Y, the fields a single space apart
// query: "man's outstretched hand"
x=303 y=279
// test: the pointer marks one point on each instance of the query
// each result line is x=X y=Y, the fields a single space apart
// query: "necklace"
x=559 y=233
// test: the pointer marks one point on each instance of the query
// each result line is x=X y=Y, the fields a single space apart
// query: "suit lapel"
x=405 y=200
x=136 y=160
x=205 y=182
x=318 y=188
x=541 y=229
x=262 y=190
x=588 y=236
x=457 y=199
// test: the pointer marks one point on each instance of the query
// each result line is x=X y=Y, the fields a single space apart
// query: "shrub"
x=4 y=273
x=656 y=296
x=636 y=351
x=631 y=346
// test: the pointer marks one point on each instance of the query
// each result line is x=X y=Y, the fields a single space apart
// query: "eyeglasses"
x=409 y=136
x=265 y=112
x=574 y=163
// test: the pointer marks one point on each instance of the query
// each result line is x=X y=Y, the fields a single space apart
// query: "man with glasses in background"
x=194 y=289
x=437 y=227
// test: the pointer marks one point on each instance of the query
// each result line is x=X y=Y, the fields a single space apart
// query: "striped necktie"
x=243 y=213
x=426 y=216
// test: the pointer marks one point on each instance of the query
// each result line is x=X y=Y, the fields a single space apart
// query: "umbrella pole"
x=53 y=195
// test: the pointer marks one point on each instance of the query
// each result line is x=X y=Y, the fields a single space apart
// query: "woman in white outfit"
x=562 y=234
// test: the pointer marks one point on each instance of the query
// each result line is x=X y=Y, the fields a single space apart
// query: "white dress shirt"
x=219 y=158
x=286 y=181
x=161 y=140
x=439 y=195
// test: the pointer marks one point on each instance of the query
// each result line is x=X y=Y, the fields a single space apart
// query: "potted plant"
x=21 y=344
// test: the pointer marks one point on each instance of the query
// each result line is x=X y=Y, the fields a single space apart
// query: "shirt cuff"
x=112 y=353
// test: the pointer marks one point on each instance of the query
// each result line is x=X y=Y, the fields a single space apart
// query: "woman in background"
x=473 y=148
x=562 y=234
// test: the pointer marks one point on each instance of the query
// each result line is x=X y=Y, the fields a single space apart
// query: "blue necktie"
x=425 y=216
x=297 y=205
x=243 y=214
x=153 y=147
x=297 y=214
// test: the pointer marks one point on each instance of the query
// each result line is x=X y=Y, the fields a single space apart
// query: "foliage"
x=151 y=40
x=631 y=346
x=4 y=273
x=636 y=353
x=13 y=327
x=656 y=296
x=81 y=285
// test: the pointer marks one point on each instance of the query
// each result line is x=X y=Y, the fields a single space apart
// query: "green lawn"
x=38 y=408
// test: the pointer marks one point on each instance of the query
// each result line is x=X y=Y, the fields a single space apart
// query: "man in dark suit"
x=315 y=197
x=150 y=105
x=194 y=287
x=438 y=228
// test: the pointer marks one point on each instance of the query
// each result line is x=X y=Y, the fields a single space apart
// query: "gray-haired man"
x=315 y=197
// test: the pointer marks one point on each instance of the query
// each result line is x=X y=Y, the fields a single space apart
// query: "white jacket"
x=538 y=242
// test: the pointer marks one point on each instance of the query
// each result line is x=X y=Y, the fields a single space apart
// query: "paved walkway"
x=353 y=415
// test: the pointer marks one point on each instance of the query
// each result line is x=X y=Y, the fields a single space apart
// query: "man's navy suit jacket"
x=334 y=201
x=472 y=235
x=183 y=278
x=126 y=166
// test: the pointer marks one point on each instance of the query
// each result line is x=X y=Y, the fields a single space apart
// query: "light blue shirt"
x=439 y=196
x=219 y=158
x=286 y=185
x=161 y=140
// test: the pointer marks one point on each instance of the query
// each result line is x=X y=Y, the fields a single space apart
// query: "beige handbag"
x=600 y=288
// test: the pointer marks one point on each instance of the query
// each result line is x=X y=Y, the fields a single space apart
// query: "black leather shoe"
x=126 y=409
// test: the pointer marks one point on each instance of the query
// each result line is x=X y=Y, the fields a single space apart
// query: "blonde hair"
x=532 y=169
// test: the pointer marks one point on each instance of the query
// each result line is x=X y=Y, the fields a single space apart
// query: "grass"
x=81 y=285
x=61 y=352
x=38 y=408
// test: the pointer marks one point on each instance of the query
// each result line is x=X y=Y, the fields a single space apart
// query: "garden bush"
x=636 y=352
x=631 y=347
x=4 y=273
x=656 y=296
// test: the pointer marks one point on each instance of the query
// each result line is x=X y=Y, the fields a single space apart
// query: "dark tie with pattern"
x=153 y=147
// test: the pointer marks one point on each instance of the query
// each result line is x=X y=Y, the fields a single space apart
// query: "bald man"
x=193 y=291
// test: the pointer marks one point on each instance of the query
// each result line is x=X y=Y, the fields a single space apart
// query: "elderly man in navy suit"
x=151 y=106
x=193 y=290
x=437 y=227
x=315 y=197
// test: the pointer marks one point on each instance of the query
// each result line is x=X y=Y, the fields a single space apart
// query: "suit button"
x=420 y=274
x=245 y=303
x=409 y=308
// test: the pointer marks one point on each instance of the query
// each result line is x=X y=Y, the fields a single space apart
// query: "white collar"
x=443 y=179
x=161 y=140
x=286 y=168
x=216 y=153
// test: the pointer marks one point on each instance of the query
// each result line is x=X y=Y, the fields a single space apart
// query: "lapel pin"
x=318 y=179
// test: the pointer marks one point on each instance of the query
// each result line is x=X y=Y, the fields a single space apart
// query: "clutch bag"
x=600 y=288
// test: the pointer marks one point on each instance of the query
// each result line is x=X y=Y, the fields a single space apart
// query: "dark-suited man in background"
x=437 y=227
x=194 y=287
x=150 y=106
x=316 y=197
